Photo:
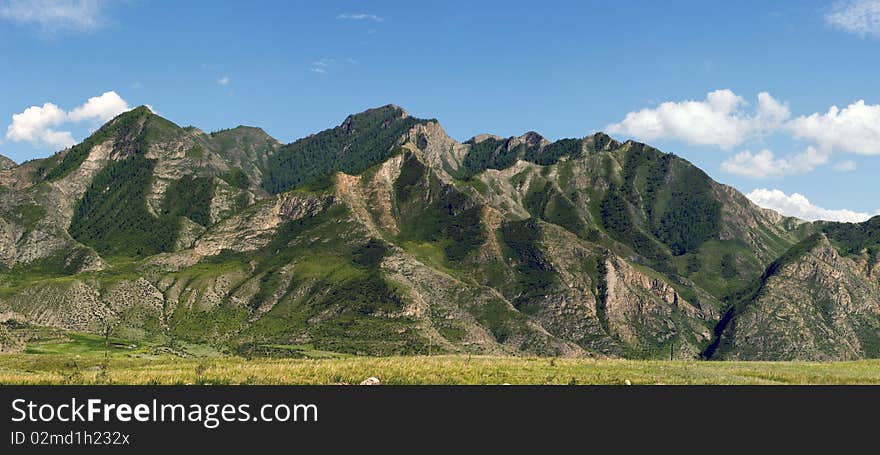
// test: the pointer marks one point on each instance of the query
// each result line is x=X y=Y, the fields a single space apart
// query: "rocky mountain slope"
x=6 y=163
x=384 y=235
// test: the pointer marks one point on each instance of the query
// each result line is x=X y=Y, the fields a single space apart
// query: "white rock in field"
x=372 y=380
x=627 y=382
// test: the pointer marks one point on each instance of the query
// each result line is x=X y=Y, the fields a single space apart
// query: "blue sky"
x=641 y=70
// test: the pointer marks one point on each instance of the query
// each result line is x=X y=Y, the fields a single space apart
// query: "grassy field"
x=87 y=359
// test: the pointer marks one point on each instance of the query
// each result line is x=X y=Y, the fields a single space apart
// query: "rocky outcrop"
x=72 y=186
x=371 y=197
x=767 y=232
x=646 y=312
x=187 y=234
x=6 y=163
x=446 y=305
x=227 y=200
x=246 y=148
x=253 y=228
x=439 y=151
x=33 y=226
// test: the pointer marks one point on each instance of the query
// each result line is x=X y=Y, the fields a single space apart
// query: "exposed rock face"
x=9 y=343
x=446 y=304
x=252 y=229
x=371 y=197
x=189 y=232
x=758 y=227
x=246 y=148
x=508 y=192
x=6 y=163
x=33 y=223
x=439 y=150
x=19 y=177
x=640 y=309
x=227 y=200
x=72 y=186
x=819 y=306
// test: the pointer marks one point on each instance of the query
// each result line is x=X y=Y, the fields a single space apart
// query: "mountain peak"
x=383 y=116
x=532 y=139
x=140 y=111
x=128 y=131
x=255 y=129
x=243 y=130
x=600 y=142
x=140 y=115
x=361 y=141
x=136 y=120
x=483 y=137
x=391 y=110
x=394 y=107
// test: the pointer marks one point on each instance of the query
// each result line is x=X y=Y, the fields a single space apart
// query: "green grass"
x=298 y=351
x=709 y=274
x=501 y=320
x=82 y=344
x=137 y=368
x=316 y=281
x=54 y=357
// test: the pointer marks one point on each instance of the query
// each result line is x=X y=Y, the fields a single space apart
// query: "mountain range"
x=383 y=236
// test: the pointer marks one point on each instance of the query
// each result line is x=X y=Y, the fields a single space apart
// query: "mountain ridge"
x=383 y=235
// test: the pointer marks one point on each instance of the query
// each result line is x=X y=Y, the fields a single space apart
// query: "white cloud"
x=845 y=166
x=764 y=163
x=798 y=205
x=723 y=121
x=771 y=113
x=57 y=139
x=855 y=129
x=718 y=120
x=55 y=15
x=223 y=80
x=857 y=16
x=37 y=124
x=102 y=108
x=360 y=17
